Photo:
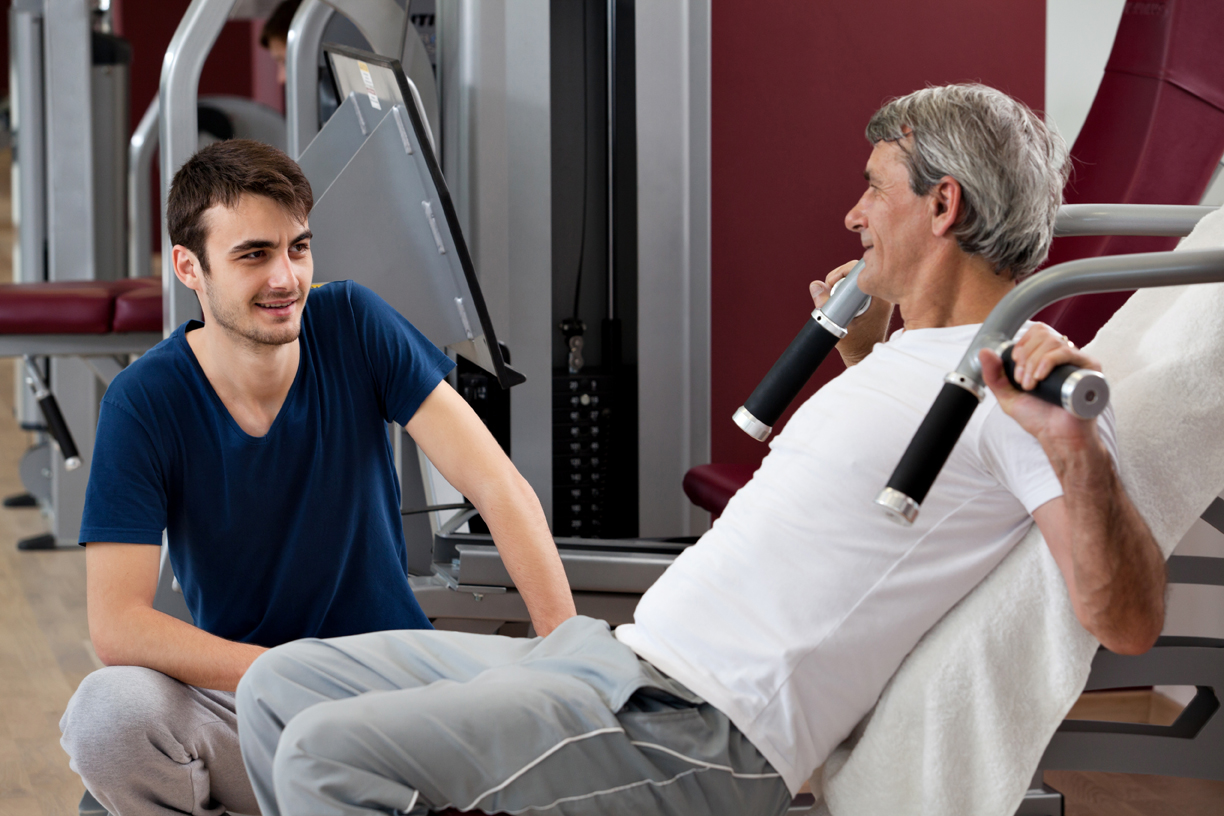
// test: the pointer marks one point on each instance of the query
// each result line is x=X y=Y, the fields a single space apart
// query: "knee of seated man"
x=333 y=731
x=263 y=680
x=118 y=711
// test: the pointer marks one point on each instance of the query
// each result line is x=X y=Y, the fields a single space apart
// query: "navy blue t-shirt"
x=293 y=534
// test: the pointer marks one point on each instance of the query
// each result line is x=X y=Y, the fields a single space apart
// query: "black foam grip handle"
x=933 y=443
x=1049 y=389
x=57 y=427
x=792 y=370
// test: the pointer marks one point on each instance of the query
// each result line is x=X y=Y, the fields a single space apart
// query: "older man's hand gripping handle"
x=819 y=336
x=1081 y=391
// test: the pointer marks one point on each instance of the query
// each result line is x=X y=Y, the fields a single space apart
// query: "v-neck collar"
x=185 y=347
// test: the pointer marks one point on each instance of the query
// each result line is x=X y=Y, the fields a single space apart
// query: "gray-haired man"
x=734 y=683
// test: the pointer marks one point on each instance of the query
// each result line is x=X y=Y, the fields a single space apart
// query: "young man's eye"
x=301 y=248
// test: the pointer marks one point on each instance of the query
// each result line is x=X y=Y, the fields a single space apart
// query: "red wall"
x=794 y=83
x=236 y=65
x=149 y=24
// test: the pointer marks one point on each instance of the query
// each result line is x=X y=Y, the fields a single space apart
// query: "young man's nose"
x=281 y=274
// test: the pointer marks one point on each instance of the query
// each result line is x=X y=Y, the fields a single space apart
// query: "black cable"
x=585 y=160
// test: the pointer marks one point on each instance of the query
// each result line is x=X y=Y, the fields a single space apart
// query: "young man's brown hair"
x=277 y=26
x=222 y=173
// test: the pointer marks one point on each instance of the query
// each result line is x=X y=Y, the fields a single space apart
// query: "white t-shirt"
x=795 y=609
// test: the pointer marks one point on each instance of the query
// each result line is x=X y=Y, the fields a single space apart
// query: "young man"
x=274 y=35
x=258 y=440
x=735 y=681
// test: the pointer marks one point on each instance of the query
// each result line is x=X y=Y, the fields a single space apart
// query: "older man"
x=764 y=643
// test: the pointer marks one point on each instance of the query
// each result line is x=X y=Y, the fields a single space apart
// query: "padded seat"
x=710 y=487
x=139 y=309
x=80 y=307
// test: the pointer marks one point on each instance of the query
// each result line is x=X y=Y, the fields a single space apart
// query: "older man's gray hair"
x=1010 y=166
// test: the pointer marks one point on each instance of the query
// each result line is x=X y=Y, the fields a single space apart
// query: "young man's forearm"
x=516 y=521
x=1118 y=568
x=142 y=636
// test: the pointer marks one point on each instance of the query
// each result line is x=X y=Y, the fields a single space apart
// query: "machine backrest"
x=1154 y=135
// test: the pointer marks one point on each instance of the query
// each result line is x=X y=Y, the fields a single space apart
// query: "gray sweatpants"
x=147 y=745
x=419 y=721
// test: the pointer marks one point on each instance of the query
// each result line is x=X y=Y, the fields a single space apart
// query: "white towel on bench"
x=963 y=723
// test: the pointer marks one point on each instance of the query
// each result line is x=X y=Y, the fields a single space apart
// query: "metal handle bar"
x=1127 y=219
x=939 y=431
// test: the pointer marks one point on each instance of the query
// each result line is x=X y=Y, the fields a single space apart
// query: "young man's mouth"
x=278 y=307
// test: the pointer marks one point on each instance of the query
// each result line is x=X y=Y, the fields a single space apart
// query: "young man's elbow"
x=109 y=652
x=110 y=643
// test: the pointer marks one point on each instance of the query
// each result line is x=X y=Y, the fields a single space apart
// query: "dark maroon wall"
x=794 y=83
x=149 y=24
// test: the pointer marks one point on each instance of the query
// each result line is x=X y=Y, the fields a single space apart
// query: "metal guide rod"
x=179 y=130
x=937 y=435
x=28 y=123
x=141 y=148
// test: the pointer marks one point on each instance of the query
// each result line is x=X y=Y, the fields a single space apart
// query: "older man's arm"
x=864 y=331
x=1115 y=571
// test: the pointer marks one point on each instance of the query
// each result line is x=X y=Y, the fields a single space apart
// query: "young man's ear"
x=187 y=267
x=945 y=205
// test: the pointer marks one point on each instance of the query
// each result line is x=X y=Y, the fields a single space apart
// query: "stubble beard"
x=232 y=321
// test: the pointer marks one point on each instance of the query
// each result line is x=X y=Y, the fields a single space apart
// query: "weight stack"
x=584 y=445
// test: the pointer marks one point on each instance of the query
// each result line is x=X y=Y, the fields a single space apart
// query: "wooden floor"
x=45 y=652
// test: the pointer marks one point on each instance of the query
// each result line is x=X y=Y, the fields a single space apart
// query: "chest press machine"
x=1013 y=644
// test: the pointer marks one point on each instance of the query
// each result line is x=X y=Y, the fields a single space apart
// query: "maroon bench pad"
x=139 y=310
x=710 y=487
x=73 y=307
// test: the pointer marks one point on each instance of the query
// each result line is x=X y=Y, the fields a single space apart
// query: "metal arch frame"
x=381 y=22
x=302 y=46
x=178 y=130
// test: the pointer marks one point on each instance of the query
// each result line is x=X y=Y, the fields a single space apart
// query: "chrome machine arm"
x=964 y=387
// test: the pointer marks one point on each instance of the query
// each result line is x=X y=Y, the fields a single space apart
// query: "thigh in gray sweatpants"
x=147 y=745
x=411 y=722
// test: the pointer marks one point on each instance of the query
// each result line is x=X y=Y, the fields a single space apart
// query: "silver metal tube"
x=1128 y=219
x=179 y=130
x=30 y=170
x=141 y=148
x=67 y=87
x=1115 y=273
x=302 y=73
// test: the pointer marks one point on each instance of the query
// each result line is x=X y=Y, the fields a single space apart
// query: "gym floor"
x=45 y=652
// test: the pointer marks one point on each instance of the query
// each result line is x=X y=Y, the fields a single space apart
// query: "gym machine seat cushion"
x=1154 y=135
x=77 y=307
x=65 y=307
x=710 y=487
x=139 y=310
